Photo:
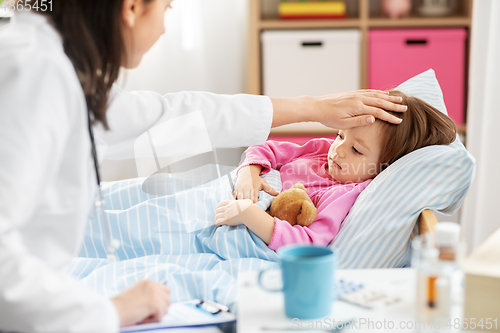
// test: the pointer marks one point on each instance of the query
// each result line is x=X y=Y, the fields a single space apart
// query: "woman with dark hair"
x=58 y=65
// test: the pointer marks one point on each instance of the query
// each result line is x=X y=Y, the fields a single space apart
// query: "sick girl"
x=334 y=172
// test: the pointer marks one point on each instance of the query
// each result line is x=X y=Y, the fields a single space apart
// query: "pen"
x=288 y=328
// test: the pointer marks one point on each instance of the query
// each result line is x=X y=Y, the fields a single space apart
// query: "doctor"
x=58 y=66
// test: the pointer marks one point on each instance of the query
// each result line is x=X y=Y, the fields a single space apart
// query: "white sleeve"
x=35 y=298
x=36 y=122
x=231 y=120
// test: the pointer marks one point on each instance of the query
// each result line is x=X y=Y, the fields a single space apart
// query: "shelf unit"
x=362 y=14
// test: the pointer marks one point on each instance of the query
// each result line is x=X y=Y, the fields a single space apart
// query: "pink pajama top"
x=307 y=164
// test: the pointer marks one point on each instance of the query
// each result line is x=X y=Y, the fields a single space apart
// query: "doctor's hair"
x=92 y=39
x=422 y=126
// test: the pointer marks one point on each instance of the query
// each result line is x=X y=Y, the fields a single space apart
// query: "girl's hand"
x=144 y=302
x=249 y=183
x=227 y=212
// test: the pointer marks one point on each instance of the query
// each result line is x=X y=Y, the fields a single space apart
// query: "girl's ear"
x=131 y=10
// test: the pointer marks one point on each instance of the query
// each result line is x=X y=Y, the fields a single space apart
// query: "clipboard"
x=185 y=314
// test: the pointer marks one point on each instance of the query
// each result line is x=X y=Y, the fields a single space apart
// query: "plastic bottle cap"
x=447 y=233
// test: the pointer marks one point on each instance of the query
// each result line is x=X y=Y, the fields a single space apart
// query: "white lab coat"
x=47 y=178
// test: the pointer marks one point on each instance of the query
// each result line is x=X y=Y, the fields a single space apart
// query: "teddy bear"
x=294 y=205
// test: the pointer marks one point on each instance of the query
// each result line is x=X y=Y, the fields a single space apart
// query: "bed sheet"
x=172 y=237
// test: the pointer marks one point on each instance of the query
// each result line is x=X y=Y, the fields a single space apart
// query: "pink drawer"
x=397 y=55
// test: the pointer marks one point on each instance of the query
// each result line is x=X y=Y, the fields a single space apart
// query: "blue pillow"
x=380 y=225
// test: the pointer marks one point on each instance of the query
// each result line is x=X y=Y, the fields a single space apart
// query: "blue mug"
x=308 y=280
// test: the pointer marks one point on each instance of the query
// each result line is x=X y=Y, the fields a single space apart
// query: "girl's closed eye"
x=356 y=151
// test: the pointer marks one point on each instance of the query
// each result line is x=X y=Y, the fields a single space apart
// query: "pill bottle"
x=449 y=243
x=447 y=239
x=427 y=276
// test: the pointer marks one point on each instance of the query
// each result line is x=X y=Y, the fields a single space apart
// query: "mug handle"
x=261 y=274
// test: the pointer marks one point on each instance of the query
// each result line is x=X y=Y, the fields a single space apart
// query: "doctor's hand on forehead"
x=143 y=24
x=340 y=111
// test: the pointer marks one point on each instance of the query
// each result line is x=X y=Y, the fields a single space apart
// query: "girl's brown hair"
x=422 y=126
x=92 y=38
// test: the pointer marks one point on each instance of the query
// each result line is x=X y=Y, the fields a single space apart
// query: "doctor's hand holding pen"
x=144 y=302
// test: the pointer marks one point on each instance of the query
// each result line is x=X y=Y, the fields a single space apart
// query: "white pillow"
x=379 y=228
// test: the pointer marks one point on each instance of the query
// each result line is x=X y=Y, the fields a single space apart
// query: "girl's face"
x=143 y=24
x=354 y=155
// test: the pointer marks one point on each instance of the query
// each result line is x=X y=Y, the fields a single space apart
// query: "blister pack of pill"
x=370 y=297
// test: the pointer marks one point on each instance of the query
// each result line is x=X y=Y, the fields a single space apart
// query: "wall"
x=204 y=48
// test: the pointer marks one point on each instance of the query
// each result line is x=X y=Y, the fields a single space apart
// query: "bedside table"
x=262 y=311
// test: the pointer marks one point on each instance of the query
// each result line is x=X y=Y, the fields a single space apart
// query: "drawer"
x=397 y=55
x=310 y=62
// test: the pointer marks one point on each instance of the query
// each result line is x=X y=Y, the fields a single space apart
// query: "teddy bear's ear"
x=307 y=214
x=299 y=186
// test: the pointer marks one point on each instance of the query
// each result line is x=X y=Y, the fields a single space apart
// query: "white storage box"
x=310 y=62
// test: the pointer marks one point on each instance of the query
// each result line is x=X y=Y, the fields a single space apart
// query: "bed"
x=171 y=237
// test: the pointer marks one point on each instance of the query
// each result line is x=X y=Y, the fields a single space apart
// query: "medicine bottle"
x=449 y=286
x=431 y=271
x=447 y=238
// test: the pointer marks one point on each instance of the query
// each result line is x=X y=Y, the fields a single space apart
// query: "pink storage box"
x=397 y=55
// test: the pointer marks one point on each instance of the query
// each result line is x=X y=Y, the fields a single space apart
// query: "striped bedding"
x=172 y=238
